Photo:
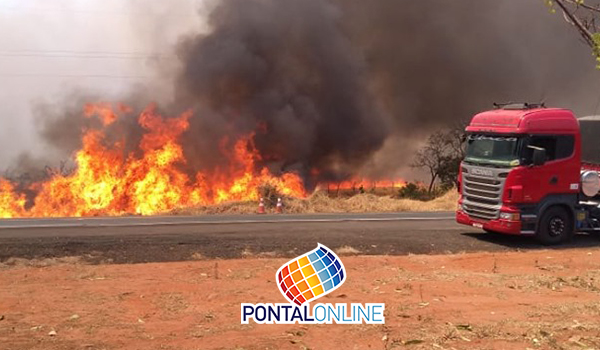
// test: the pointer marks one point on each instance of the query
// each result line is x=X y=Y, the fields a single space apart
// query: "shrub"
x=269 y=193
x=418 y=192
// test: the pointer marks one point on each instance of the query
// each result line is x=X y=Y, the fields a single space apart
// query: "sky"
x=51 y=48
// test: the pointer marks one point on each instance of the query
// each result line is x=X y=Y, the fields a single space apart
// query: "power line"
x=92 y=12
x=98 y=76
x=81 y=52
x=96 y=56
x=86 y=54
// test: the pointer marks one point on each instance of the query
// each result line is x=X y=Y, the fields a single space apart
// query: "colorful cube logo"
x=311 y=276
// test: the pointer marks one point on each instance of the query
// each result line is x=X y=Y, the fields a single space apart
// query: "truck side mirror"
x=539 y=156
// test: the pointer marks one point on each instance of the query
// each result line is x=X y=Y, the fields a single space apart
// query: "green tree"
x=584 y=16
x=441 y=156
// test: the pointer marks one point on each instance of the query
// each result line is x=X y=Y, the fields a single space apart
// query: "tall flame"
x=109 y=181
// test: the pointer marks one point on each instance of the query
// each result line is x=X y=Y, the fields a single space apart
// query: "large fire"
x=108 y=180
x=362 y=185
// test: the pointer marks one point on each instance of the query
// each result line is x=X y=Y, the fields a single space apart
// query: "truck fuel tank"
x=590 y=183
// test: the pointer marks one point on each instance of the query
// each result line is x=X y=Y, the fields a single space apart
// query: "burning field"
x=257 y=101
x=110 y=180
x=290 y=95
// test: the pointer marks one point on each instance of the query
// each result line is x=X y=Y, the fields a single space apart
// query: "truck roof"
x=525 y=121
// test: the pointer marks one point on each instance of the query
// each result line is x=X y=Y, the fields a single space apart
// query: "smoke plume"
x=286 y=67
x=333 y=88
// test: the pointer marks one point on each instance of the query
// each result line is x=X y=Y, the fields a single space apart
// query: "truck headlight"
x=510 y=216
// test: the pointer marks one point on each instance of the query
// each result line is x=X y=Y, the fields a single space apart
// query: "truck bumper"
x=501 y=226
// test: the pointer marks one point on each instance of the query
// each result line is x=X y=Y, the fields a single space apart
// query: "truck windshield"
x=493 y=150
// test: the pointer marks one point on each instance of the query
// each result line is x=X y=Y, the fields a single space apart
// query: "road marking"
x=221 y=222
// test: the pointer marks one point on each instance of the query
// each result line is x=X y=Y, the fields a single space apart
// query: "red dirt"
x=542 y=299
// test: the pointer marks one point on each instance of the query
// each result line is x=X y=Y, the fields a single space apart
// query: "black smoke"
x=331 y=84
x=287 y=67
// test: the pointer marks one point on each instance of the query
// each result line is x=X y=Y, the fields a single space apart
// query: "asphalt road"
x=10 y=227
x=177 y=238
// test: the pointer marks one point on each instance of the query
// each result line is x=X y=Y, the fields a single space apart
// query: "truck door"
x=560 y=173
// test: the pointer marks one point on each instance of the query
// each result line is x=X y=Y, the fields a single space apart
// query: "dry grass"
x=347 y=250
x=172 y=302
x=320 y=202
x=44 y=262
x=225 y=208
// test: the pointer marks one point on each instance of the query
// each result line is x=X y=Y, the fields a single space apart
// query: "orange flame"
x=363 y=183
x=11 y=204
x=109 y=182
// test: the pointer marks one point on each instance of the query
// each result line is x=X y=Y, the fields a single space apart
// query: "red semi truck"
x=531 y=170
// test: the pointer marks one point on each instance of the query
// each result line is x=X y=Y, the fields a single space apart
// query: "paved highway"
x=10 y=227
x=175 y=238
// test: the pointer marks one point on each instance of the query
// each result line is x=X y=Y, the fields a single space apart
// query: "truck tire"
x=555 y=226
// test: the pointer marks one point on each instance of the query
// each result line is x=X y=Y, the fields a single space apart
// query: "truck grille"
x=482 y=196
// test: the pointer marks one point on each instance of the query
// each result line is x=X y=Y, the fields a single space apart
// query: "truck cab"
x=521 y=173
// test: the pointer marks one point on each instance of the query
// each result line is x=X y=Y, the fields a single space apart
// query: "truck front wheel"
x=555 y=226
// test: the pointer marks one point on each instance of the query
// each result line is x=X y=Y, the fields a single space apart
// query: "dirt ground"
x=548 y=299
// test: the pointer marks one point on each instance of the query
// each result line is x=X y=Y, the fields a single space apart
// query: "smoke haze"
x=343 y=86
x=285 y=65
